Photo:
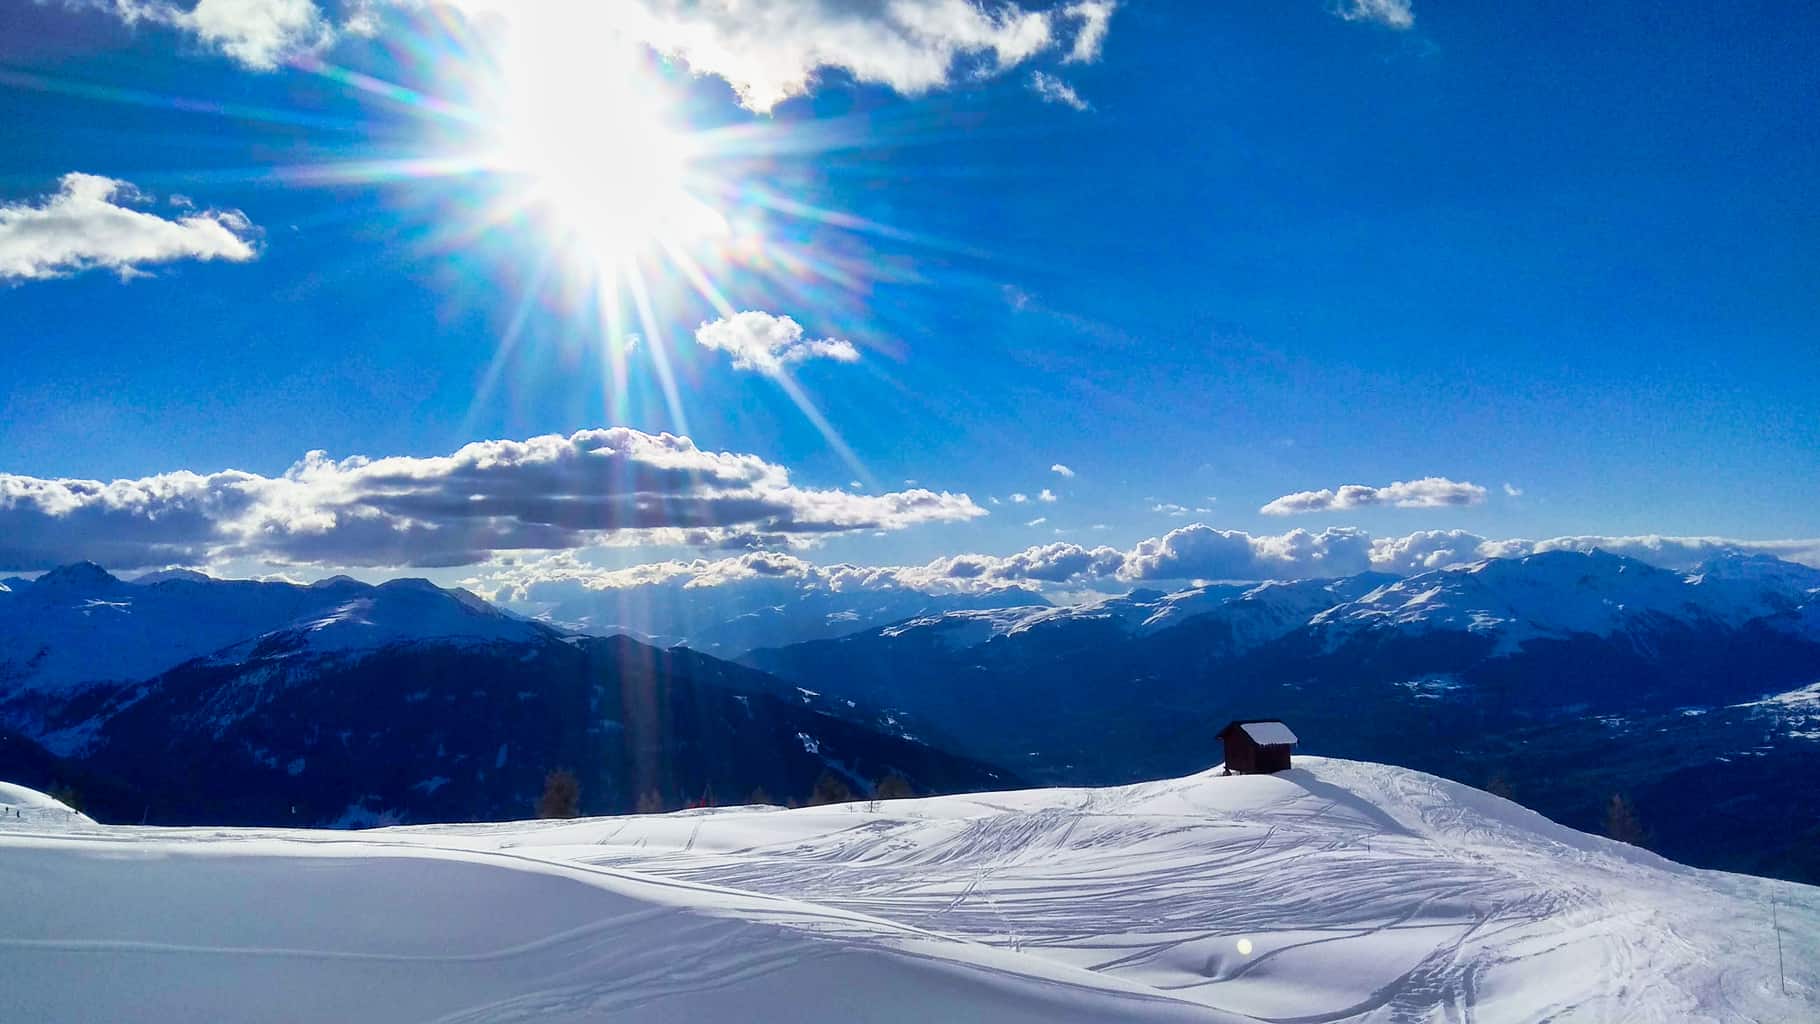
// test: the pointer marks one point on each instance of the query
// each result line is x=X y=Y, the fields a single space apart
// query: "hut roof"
x=1265 y=733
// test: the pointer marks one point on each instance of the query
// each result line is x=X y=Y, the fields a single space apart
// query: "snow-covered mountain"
x=188 y=699
x=732 y=617
x=1339 y=892
x=78 y=625
x=1560 y=594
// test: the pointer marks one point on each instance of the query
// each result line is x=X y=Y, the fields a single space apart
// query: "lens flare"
x=592 y=135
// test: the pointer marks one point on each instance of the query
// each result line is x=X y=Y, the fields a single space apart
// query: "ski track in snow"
x=1340 y=891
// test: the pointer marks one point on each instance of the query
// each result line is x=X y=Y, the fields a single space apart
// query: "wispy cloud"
x=1062 y=471
x=1055 y=90
x=767 y=343
x=1095 y=17
x=1512 y=490
x=91 y=222
x=1428 y=492
x=1038 y=521
x=1397 y=14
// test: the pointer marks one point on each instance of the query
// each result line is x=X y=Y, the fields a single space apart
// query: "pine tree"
x=561 y=795
x=829 y=789
x=650 y=802
x=893 y=787
x=1500 y=786
x=1621 y=822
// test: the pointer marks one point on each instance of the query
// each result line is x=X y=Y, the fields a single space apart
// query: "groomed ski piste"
x=1338 y=891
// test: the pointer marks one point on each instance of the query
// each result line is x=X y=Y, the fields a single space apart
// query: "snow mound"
x=1338 y=891
x=21 y=807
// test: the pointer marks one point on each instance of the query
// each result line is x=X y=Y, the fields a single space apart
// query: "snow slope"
x=1340 y=891
x=20 y=806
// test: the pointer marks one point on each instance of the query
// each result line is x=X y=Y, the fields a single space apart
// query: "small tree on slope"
x=1621 y=822
x=561 y=795
x=829 y=789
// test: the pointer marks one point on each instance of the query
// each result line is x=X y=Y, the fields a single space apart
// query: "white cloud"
x=259 y=34
x=1202 y=552
x=1428 y=492
x=1063 y=471
x=1512 y=490
x=596 y=487
x=1190 y=553
x=1397 y=14
x=1038 y=521
x=86 y=224
x=1046 y=495
x=1019 y=499
x=767 y=50
x=1169 y=509
x=1095 y=17
x=1054 y=90
x=767 y=343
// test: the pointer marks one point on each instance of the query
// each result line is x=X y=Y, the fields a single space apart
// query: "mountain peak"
x=77 y=576
x=167 y=575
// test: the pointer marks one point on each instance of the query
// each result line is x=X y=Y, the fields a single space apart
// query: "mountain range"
x=189 y=700
x=1563 y=679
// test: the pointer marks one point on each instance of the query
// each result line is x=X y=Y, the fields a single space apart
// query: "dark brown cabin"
x=1257 y=746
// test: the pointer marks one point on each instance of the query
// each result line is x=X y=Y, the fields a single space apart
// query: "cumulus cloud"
x=766 y=343
x=595 y=487
x=89 y=223
x=770 y=52
x=1397 y=14
x=1512 y=490
x=1062 y=471
x=767 y=50
x=1428 y=492
x=1055 y=90
x=259 y=34
x=1046 y=495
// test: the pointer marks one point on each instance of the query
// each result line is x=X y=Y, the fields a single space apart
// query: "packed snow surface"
x=1338 y=891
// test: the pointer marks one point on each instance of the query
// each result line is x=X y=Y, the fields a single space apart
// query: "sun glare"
x=591 y=132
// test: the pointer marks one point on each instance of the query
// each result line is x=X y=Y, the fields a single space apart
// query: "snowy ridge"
x=1562 y=593
x=1340 y=891
x=79 y=625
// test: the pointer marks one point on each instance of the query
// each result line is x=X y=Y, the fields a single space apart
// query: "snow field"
x=1340 y=891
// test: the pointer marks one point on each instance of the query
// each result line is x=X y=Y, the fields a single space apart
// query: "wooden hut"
x=1257 y=746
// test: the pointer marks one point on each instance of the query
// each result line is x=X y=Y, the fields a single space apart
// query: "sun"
x=592 y=135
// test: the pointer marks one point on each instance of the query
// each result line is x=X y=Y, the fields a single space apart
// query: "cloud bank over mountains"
x=1196 y=552
x=614 y=486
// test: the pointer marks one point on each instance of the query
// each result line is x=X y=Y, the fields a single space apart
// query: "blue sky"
x=1284 y=247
